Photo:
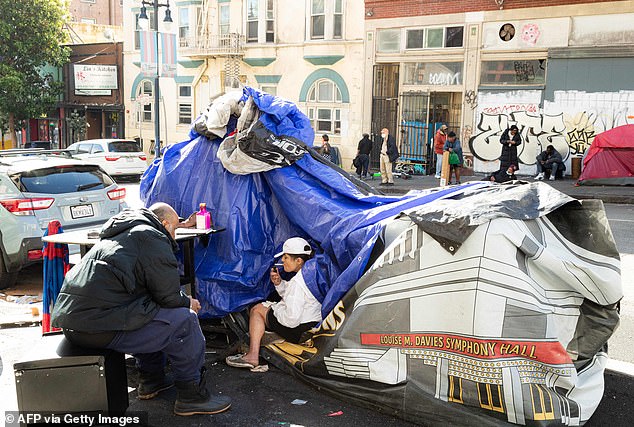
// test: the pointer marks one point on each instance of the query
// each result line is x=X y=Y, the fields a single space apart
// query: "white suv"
x=118 y=157
x=37 y=187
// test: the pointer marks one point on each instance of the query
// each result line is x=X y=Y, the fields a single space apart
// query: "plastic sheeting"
x=490 y=308
x=310 y=198
x=475 y=305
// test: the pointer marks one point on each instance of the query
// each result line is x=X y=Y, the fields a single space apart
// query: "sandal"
x=237 y=361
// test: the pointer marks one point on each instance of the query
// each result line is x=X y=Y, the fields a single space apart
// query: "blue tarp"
x=260 y=211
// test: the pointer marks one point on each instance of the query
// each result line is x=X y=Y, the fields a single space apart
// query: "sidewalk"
x=608 y=194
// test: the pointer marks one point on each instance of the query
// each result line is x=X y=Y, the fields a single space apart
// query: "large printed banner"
x=507 y=324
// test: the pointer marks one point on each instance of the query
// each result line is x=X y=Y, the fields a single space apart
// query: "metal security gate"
x=422 y=114
x=414 y=143
x=384 y=107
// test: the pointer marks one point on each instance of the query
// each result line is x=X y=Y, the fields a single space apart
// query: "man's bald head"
x=167 y=215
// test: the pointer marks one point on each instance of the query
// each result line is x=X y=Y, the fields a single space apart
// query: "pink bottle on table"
x=203 y=218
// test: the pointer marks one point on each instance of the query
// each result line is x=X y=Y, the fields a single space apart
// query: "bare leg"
x=457 y=174
x=257 y=325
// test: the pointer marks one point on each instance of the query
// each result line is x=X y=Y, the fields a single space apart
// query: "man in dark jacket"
x=389 y=154
x=503 y=175
x=125 y=295
x=510 y=140
x=363 y=155
x=549 y=160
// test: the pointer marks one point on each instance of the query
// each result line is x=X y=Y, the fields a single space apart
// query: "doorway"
x=422 y=114
x=384 y=107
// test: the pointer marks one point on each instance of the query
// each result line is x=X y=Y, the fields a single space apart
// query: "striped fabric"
x=54 y=268
x=168 y=55
x=148 y=53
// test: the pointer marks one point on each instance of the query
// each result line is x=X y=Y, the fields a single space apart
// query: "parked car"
x=46 y=145
x=38 y=188
x=118 y=157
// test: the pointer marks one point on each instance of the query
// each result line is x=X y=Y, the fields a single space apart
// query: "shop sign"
x=95 y=76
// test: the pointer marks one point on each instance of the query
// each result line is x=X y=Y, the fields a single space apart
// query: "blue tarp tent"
x=310 y=198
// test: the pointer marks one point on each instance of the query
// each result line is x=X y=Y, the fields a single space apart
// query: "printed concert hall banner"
x=508 y=324
x=476 y=304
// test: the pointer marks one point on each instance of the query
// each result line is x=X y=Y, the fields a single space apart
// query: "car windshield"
x=124 y=147
x=62 y=179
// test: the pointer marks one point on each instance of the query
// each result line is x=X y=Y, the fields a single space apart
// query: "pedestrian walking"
x=363 y=156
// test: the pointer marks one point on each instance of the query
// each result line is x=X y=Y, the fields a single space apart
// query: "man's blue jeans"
x=552 y=167
x=173 y=333
x=438 y=165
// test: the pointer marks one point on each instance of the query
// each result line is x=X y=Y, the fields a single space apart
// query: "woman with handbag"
x=454 y=151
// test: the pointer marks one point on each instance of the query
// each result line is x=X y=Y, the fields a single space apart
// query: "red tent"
x=610 y=159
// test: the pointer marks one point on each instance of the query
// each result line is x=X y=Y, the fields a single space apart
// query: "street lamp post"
x=144 y=22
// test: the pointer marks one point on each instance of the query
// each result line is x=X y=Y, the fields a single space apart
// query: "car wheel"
x=6 y=279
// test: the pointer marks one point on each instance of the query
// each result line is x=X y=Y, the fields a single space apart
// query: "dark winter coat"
x=392 y=151
x=365 y=146
x=121 y=283
x=553 y=157
x=502 y=176
x=508 y=156
x=456 y=147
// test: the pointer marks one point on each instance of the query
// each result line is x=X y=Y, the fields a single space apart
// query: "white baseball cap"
x=295 y=246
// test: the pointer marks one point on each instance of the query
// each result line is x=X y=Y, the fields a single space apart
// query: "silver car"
x=36 y=188
x=118 y=157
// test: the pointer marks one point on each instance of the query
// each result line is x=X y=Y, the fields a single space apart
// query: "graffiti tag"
x=537 y=131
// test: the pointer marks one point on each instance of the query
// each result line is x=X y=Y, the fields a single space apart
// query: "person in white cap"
x=297 y=312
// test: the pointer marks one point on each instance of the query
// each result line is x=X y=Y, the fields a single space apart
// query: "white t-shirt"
x=298 y=304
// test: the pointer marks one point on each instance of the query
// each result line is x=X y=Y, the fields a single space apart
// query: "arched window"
x=324 y=107
x=146 y=89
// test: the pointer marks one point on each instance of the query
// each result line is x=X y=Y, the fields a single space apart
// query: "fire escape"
x=207 y=42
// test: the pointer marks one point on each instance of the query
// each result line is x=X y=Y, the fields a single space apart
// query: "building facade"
x=94 y=35
x=307 y=51
x=557 y=69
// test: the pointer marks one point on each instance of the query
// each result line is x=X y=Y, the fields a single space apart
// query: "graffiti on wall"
x=537 y=131
x=569 y=123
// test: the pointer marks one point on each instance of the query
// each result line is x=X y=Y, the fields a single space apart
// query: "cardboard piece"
x=444 y=174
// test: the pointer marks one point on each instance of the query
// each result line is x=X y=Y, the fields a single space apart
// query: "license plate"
x=130 y=159
x=81 y=211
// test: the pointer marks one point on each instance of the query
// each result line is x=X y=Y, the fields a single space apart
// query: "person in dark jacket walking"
x=125 y=295
x=363 y=155
x=510 y=140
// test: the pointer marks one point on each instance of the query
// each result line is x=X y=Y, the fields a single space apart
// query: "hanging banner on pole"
x=168 y=55
x=149 y=67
